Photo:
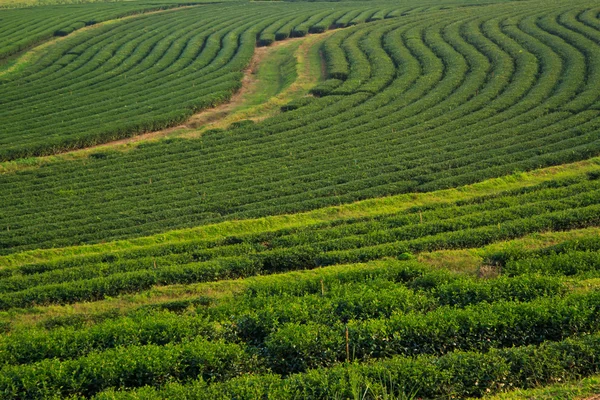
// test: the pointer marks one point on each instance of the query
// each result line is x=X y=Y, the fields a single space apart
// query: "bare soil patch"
x=218 y=116
x=215 y=113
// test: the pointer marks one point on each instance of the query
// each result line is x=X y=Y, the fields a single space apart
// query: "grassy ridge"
x=459 y=375
x=578 y=389
x=240 y=249
x=366 y=208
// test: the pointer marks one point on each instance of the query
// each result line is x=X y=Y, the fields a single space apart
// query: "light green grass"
x=275 y=74
x=582 y=389
x=366 y=208
x=287 y=72
x=472 y=261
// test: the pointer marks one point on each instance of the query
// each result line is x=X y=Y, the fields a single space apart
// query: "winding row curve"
x=424 y=101
x=23 y=28
x=144 y=74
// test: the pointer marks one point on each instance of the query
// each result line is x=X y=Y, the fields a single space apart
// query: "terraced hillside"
x=471 y=222
x=142 y=75
x=419 y=219
x=172 y=63
x=435 y=331
x=482 y=92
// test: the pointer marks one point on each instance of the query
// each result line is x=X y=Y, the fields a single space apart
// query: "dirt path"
x=249 y=81
x=217 y=117
x=308 y=75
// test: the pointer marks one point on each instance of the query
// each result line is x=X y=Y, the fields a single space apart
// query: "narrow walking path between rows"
x=268 y=84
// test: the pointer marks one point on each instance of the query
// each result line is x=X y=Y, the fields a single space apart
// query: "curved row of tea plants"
x=429 y=100
x=121 y=79
x=23 y=28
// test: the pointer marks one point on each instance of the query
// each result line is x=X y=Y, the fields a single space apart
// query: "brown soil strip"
x=210 y=114
x=216 y=117
x=248 y=82
x=189 y=129
x=219 y=112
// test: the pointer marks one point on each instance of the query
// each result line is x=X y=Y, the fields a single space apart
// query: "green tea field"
x=355 y=199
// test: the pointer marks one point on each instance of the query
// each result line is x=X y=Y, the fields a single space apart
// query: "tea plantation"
x=419 y=221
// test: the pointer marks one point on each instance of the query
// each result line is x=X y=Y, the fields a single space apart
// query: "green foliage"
x=455 y=375
x=556 y=205
x=434 y=97
x=129 y=367
x=23 y=28
x=421 y=106
x=295 y=347
x=570 y=258
x=133 y=80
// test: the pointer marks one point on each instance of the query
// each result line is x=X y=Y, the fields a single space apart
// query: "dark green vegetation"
x=558 y=205
x=121 y=79
x=461 y=329
x=439 y=294
x=448 y=335
x=420 y=106
x=194 y=63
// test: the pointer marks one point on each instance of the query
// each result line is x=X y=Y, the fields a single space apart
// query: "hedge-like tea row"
x=99 y=288
x=127 y=367
x=133 y=81
x=296 y=347
x=328 y=298
x=431 y=100
x=578 y=257
x=69 y=343
x=570 y=263
x=556 y=205
x=161 y=347
x=455 y=375
x=23 y=28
